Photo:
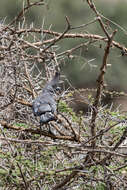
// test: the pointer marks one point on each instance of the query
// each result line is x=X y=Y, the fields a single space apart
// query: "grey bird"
x=45 y=104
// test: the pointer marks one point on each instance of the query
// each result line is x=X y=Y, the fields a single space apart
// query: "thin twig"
x=68 y=27
x=65 y=181
x=93 y=7
x=29 y=80
x=22 y=175
x=24 y=10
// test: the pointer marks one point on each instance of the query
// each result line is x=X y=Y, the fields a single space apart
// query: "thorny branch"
x=100 y=87
x=100 y=79
x=37 y=131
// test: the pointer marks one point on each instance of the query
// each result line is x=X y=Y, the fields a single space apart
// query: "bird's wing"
x=43 y=108
x=44 y=103
x=40 y=108
x=49 y=100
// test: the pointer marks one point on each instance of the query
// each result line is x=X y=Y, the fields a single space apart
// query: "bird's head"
x=52 y=86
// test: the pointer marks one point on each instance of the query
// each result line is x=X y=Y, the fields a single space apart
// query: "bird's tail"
x=48 y=116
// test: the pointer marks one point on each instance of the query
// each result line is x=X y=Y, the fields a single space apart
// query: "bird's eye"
x=58 y=89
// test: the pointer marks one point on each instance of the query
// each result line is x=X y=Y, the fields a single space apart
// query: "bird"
x=45 y=105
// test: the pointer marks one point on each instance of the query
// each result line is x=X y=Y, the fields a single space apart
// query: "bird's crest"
x=53 y=84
